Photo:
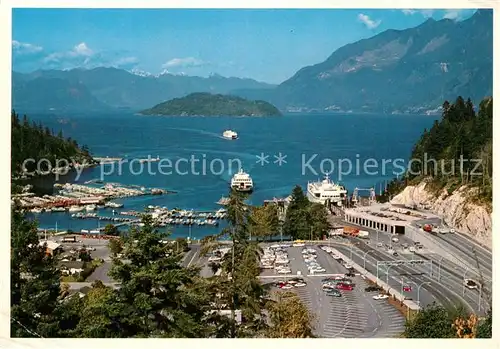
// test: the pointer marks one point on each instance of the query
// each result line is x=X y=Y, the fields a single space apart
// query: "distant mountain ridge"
x=111 y=88
x=396 y=71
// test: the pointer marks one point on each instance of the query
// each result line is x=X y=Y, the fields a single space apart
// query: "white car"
x=300 y=284
x=284 y=271
x=452 y=231
x=336 y=256
x=380 y=296
x=286 y=287
x=471 y=284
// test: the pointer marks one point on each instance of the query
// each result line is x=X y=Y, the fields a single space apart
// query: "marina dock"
x=162 y=216
x=77 y=197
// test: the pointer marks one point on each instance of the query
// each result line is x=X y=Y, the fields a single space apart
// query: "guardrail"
x=410 y=305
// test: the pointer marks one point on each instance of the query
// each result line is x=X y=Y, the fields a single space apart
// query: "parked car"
x=333 y=293
x=329 y=285
x=345 y=287
x=471 y=284
x=300 y=284
x=349 y=275
x=380 y=296
x=373 y=288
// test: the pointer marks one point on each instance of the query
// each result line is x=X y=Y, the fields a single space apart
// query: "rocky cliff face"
x=456 y=210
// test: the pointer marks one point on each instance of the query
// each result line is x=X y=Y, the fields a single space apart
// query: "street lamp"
x=479 y=298
x=463 y=283
x=418 y=292
x=439 y=269
x=387 y=274
x=364 y=258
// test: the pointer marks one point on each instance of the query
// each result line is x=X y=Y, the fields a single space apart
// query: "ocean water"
x=365 y=151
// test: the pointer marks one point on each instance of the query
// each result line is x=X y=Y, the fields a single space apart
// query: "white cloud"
x=25 y=48
x=368 y=22
x=408 y=12
x=80 y=50
x=187 y=62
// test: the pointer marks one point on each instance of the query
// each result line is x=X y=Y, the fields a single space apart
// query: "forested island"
x=207 y=104
x=36 y=142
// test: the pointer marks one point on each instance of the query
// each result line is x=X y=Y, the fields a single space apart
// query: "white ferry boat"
x=229 y=134
x=242 y=181
x=324 y=190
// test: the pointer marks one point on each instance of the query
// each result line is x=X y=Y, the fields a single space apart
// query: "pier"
x=107 y=160
x=162 y=216
x=76 y=197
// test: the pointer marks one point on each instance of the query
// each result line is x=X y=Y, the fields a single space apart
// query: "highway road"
x=466 y=249
x=447 y=291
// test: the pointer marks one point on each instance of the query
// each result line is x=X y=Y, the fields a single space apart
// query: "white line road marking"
x=191 y=261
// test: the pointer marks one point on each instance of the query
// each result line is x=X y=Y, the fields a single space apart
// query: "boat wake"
x=195 y=130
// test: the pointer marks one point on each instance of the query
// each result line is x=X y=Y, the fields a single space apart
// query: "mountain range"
x=397 y=71
x=110 y=88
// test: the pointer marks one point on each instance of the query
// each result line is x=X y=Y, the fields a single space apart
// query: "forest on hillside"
x=457 y=150
x=34 y=141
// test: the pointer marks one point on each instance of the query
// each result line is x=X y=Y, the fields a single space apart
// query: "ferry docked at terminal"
x=322 y=191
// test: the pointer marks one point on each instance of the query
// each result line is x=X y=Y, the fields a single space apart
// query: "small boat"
x=75 y=209
x=229 y=134
x=90 y=208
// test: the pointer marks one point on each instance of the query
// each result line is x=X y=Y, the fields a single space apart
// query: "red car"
x=345 y=287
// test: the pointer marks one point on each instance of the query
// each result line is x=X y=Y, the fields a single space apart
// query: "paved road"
x=353 y=315
x=465 y=249
x=447 y=291
x=101 y=273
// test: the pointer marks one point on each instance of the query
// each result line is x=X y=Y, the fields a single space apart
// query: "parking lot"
x=353 y=314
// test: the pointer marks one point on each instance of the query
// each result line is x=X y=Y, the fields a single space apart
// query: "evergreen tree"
x=157 y=297
x=35 y=283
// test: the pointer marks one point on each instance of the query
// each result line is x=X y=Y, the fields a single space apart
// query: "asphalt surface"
x=354 y=315
x=448 y=290
x=101 y=273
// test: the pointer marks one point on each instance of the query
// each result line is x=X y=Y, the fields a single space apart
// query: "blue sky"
x=267 y=45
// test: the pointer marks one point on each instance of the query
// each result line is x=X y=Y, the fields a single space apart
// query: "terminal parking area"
x=341 y=304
